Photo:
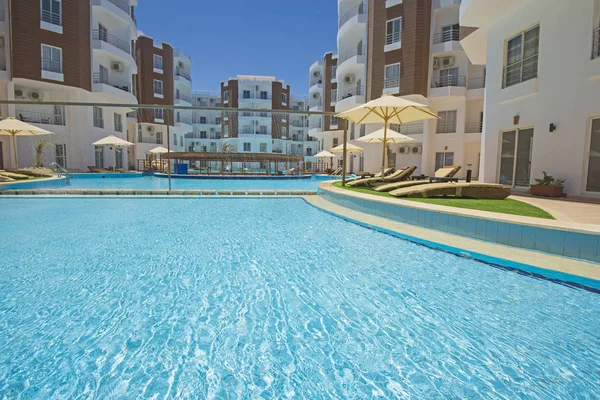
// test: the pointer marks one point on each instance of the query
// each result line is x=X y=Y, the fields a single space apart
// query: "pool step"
x=123 y=192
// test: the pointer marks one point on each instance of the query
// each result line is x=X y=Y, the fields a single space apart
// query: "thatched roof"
x=233 y=157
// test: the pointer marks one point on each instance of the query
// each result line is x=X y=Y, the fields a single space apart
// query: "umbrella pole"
x=114 y=158
x=344 y=154
x=169 y=151
x=384 y=147
x=14 y=137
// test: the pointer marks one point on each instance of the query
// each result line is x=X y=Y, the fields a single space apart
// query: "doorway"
x=515 y=157
x=593 y=172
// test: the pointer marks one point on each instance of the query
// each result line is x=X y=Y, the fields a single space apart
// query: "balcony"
x=393 y=41
x=447 y=41
x=255 y=97
x=446 y=127
x=102 y=40
x=112 y=81
x=183 y=121
x=391 y=85
x=475 y=88
x=316 y=85
x=352 y=57
x=413 y=128
x=359 y=12
x=350 y=97
x=596 y=47
x=120 y=8
x=113 y=87
x=52 y=70
x=448 y=86
x=40 y=118
x=183 y=74
x=473 y=127
x=183 y=97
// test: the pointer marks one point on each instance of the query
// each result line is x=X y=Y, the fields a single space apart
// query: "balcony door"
x=593 y=173
x=449 y=77
x=103 y=74
x=515 y=157
x=102 y=33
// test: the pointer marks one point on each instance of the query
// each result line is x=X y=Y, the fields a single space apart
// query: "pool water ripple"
x=273 y=298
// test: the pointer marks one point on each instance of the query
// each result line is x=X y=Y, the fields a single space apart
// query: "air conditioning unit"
x=447 y=61
x=316 y=74
x=417 y=150
x=348 y=79
x=436 y=63
x=150 y=129
x=117 y=66
x=36 y=96
x=315 y=95
x=404 y=150
x=19 y=94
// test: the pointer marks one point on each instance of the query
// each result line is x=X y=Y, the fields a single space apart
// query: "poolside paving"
x=565 y=210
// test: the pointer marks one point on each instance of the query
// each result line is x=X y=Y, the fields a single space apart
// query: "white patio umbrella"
x=387 y=110
x=325 y=154
x=350 y=148
x=159 y=150
x=115 y=142
x=391 y=136
x=13 y=127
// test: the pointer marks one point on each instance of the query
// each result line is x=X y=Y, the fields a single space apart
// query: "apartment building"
x=67 y=50
x=542 y=95
x=207 y=124
x=410 y=48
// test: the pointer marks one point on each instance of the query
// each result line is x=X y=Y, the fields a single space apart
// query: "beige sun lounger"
x=6 y=179
x=14 y=175
x=97 y=170
x=471 y=190
x=37 y=172
x=387 y=171
x=400 y=175
x=444 y=172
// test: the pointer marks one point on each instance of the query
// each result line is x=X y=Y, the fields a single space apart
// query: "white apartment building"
x=80 y=53
x=542 y=96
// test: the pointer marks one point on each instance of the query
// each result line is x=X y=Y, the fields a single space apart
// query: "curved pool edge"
x=43 y=183
x=233 y=177
x=571 y=240
x=561 y=270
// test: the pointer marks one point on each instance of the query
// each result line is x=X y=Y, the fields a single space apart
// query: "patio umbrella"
x=115 y=142
x=387 y=110
x=159 y=150
x=391 y=136
x=325 y=154
x=350 y=148
x=13 y=127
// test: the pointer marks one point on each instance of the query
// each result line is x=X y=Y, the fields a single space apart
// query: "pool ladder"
x=60 y=170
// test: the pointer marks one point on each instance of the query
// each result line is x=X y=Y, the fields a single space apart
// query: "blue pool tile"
x=421 y=217
x=542 y=241
x=435 y=220
x=428 y=219
x=588 y=246
x=461 y=226
x=556 y=242
x=573 y=244
x=480 y=229
x=528 y=237
x=503 y=233
x=471 y=229
x=452 y=223
x=443 y=222
x=491 y=231
x=515 y=234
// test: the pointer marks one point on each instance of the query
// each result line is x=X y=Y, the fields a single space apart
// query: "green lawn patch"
x=506 y=206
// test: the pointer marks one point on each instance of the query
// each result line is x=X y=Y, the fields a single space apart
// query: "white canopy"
x=159 y=150
x=112 y=140
x=350 y=148
x=324 y=154
x=12 y=127
x=391 y=137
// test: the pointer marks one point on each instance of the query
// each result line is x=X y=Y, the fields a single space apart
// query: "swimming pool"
x=273 y=298
x=149 y=182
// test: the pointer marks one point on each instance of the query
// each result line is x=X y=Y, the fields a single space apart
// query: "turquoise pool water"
x=170 y=298
x=138 y=182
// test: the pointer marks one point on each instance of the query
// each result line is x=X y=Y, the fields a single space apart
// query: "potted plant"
x=548 y=186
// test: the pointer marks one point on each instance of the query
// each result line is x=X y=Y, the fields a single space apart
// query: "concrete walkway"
x=565 y=210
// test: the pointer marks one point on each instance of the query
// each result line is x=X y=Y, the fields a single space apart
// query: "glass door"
x=593 y=173
x=515 y=157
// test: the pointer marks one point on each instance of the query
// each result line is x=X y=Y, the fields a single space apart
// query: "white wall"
x=566 y=92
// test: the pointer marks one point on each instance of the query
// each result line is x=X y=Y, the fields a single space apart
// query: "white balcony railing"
x=473 y=127
x=445 y=81
x=112 y=81
x=51 y=17
x=354 y=11
x=476 y=83
x=40 y=117
x=447 y=36
x=446 y=127
x=350 y=92
x=122 y=4
x=112 y=39
x=358 y=51
x=51 y=66
x=392 y=38
x=391 y=82
x=183 y=74
x=184 y=98
x=596 y=48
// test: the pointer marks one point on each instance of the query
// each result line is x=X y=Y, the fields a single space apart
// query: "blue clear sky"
x=230 y=37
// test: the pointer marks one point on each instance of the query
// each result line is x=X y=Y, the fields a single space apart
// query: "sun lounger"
x=97 y=170
x=6 y=179
x=14 y=175
x=336 y=172
x=364 y=175
x=400 y=175
x=36 y=172
x=471 y=190
x=445 y=172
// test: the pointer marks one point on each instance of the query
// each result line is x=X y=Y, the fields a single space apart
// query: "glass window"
x=118 y=123
x=283 y=98
x=61 y=155
x=51 y=59
x=593 y=173
x=98 y=118
x=158 y=62
x=158 y=113
x=263 y=147
x=393 y=31
x=450 y=32
x=159 y=138
x=263 y=95
x=52 y=11
x=447 y=122
x=247 y=147
x=99 y=156
x=203 y=120
x=246 y=94
x=334 y=121
x=263 y=130
x=158 y=87
x=522 y=57
x=515 y=157
x=284 y=132
x=333 y=95
x=334 y=72
x=392 y=76
x=444 y=159
x=226 y=95
x=335 y=142
x=119 y=157
x=226 y=130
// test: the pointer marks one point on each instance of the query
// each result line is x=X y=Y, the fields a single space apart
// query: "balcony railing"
x=184 y=98
x=51 y=17
x=315 y=103
x=392 y=38
x=183 y=119
x=473 y=127
x=183 y=74
x=112 y=81
x=122 y=4
x=358 y=51
x=52 y=66
x=315 y=125
x=353 y=91
x=445 y=81
x=413 y=128
x=447 y=36
x=252 y=96
x=476 y=83
x=446 y=127
x=596 y=48
x=358 y=10
x=40 y=118
x=112 y=39
x=315 y=82
x=150 y=140
x=392 y=82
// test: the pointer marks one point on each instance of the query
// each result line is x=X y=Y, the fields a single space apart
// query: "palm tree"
x=225 y=148
x=39 y=151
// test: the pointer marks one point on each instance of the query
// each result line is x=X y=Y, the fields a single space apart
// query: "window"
x=444 y=159
x=98 y=119
x=264 y=114
x=392 y=76
x=246 y=94
x=158 y=62
x=334 y=121
x=333 y=72
x=449 y=77
x=218 y=120
x=225 y=130
x=450 y=33
x=335 y=142
x=522 y=57
x=52 y=11
x=203 y=120
x=159 y=138
x=159 y=114
x=263 y=95
x=158 y=87
x=118 y=123
x=593 y=172
x=263 y=147
x=515 y=157
x=226 y=96
x=203 y=135
x=283 y=98
x=119 y=157
x=99 y=156
x=51 y=59
x=447 y=122
x=61 y=155
x=284 y=132
x=263 y=130
x=393 y=31
x=333 y=95
x=247 y=147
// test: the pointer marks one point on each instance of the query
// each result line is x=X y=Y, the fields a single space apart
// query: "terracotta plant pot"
x=547 y=191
